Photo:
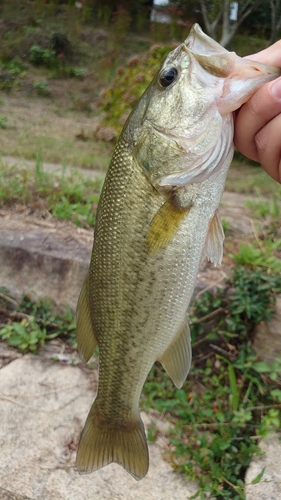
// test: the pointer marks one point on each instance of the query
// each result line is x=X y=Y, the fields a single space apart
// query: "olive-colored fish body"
x=157 y=219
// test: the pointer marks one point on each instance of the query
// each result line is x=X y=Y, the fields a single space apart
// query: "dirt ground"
x=58 y=133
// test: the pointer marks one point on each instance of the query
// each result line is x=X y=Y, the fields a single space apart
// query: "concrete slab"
x=43 y=406
x=42 y=258
x=269 y=487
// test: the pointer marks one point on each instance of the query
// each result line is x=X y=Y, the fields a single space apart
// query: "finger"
x=254 y=115
x=270 y=56
x=268 y=146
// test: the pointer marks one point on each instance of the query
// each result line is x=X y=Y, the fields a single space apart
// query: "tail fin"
x=103 y=444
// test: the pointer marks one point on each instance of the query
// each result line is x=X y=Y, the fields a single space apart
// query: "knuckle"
x=254 y=106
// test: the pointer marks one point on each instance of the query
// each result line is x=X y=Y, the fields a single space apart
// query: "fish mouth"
x=245 y=78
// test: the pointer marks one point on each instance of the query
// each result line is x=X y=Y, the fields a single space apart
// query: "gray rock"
x=44 y=259
x=269 y=487
x=267 y=336
x=43 y=406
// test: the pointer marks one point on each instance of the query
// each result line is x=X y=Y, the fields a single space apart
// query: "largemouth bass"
x=157 y=219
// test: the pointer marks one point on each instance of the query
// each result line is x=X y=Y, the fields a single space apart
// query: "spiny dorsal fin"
x=85 y=335
x=177 y=358
x=164 y=225
x=213 y=249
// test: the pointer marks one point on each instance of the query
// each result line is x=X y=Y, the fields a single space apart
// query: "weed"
x=10 y=72
x=32 y=323
x=15 y=67
x=264 y=208
x=260 y=256
x=3 y=121
x=79 y=73
x=42 y=87
x=225 y=225
x=42 y=57
x=269 y=213
x=67 y=197
x=25 y=335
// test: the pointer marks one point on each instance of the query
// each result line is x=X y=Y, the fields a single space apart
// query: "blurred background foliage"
x=114 y=48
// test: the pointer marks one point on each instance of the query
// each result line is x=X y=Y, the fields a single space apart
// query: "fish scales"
x=157 y=219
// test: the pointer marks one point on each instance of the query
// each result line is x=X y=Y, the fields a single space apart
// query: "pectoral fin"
x=213 y=249
x=85 y=335
x=177 y=358
x=165 y=224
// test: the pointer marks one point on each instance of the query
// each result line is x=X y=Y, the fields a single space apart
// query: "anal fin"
x=176 y=359
x=85 y=335
x=213 y=249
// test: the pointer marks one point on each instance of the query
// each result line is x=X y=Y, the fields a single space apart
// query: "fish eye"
x=168 y=76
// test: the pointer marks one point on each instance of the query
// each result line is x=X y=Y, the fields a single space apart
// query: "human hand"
x=257 y=132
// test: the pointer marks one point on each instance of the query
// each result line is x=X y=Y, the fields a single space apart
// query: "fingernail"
x=275 y=88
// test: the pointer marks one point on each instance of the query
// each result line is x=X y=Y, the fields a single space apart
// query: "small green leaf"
x=276 y=393
x=258 y=477
x=261 y=367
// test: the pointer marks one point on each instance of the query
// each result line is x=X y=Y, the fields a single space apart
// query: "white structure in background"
x=233 y=15
x=158 y=12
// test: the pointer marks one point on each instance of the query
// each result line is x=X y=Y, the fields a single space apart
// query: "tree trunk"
x=275 y=21
x=228 y=29
x=210 y=27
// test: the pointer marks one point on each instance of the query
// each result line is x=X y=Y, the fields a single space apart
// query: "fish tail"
x=101 y=444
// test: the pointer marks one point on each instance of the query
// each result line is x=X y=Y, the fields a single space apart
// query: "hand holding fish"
x=258 y=122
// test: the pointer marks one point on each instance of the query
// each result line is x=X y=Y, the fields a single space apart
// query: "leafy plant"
x=42 y=57
x=3 y=121
x=77 y=72
x=25 y=335
x=253 y=298
x=42 y=87
x=263 y=256
x=32 y=323
x=225 y=404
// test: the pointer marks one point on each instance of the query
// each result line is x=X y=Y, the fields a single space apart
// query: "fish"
x=157 y=219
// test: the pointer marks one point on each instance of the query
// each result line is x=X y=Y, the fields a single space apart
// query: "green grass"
x=54 y=133
x=248 y=178
x=70 y=197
